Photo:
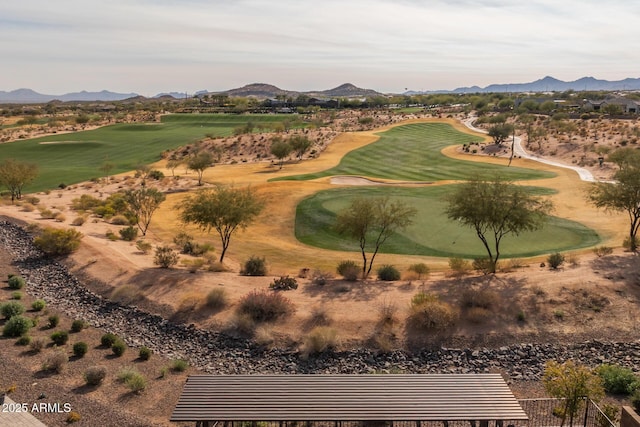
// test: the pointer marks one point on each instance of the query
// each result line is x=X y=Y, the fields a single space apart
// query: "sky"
x=153 y=46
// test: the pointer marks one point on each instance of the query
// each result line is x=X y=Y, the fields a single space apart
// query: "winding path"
x=584 y=174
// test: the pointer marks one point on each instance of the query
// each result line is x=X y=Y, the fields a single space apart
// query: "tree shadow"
x=360 y=290
x=619 y=268
x=85 y=389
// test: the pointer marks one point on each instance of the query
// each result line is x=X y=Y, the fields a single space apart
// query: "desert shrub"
x=601 y=251
x=319 y=317
x=128 y=234
x=483 y=298
x=478 y=314
x=16 y=326
x=60 y=337
x=56 y=362
x=179 y=365
x=118 y=348
x=265 y=306
x=78 y=325
x=617 y=379
x=73 y=417
x=111 y=235
x=80 y=349
x=137 y=383
x=428 y=313
x=319 y=277
x=57 y=241
x=459 y=266
x=521 y=316
x=165 y=257
x=388 y=273
x=37 y=345
x=635 y=400
x=53 y=321
x=108 y=339
x=16 y=282
x=284 y=283
x=17 y=295
x=28 y=207
x=217 y=298
x=144 y=247
x=483 y=265
x=387 y=312
x=555 y=260
x=11 y=308
x=421 y=269
x=120 y=220
x=193 y=265
x=46 y=213
x=155 y=174
x=319 y=339
x=23 y=340
x=38 y=305
x=144 y=353
x=254 y=266
x=78 y=221
x=349 y=270
x=60 y=217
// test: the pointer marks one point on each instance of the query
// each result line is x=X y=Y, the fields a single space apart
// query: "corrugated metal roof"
x=412 y=397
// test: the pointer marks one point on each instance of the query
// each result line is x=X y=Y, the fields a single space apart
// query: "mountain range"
x=264 y=91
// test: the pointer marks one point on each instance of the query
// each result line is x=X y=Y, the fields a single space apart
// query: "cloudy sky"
x=152 y=46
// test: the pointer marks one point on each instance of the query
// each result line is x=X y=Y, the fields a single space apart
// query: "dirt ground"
x=588 y=297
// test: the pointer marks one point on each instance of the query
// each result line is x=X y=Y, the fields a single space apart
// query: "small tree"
x=199 y=163
x=143 y=203
x=299 y=144
x=15 y=175
x=500 y=132
x=107 y=167
x=371 y=221
x=224 y=209
x=165 y=257
x=494 y=209
x=571 y=382
x=280 y=149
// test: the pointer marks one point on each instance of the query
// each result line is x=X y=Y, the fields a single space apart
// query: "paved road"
x=584 y=174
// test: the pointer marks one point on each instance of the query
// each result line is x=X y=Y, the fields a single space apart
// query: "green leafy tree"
x=15 y=175
x=496 y=208
x=299 y=144
x=199 y=163
x=280 y=149
x=371 y=221
x=624 y=194
x=571 y=382
x=500 y=132
x=224 y=209
x=143 y=203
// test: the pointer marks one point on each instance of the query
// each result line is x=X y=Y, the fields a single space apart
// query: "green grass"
x=412 y=153
x=77 y=157
x=432 y=233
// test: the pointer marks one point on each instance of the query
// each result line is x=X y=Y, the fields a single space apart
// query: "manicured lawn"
x=76 y=157
x=412 y=153
x=432 y=233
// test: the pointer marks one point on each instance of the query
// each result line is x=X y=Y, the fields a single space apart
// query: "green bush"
x=16 y=282
x=179 y=365
x=601 y=251
x=265 y=306
x=635 y=400
x=388 y=273
x=78 y=325
x=54 y=241
x=94 y=375
x=349 y=270
x=155 y=174
x=60 y=337
x=17 y=295
x=128 y=234
x=11 y=308
x=555 y=260
x=617 y=379
x=53 y=321
x=23 y=340
x=254 y=266
x=16 y=326
x=284 y=283
x=144 y=247
x=421 y=269
x=118 y=348
x=144 y=353
x=165 y=257
x=108 y=339
x=80 y=349
x=38 y=305
x=137 y=383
